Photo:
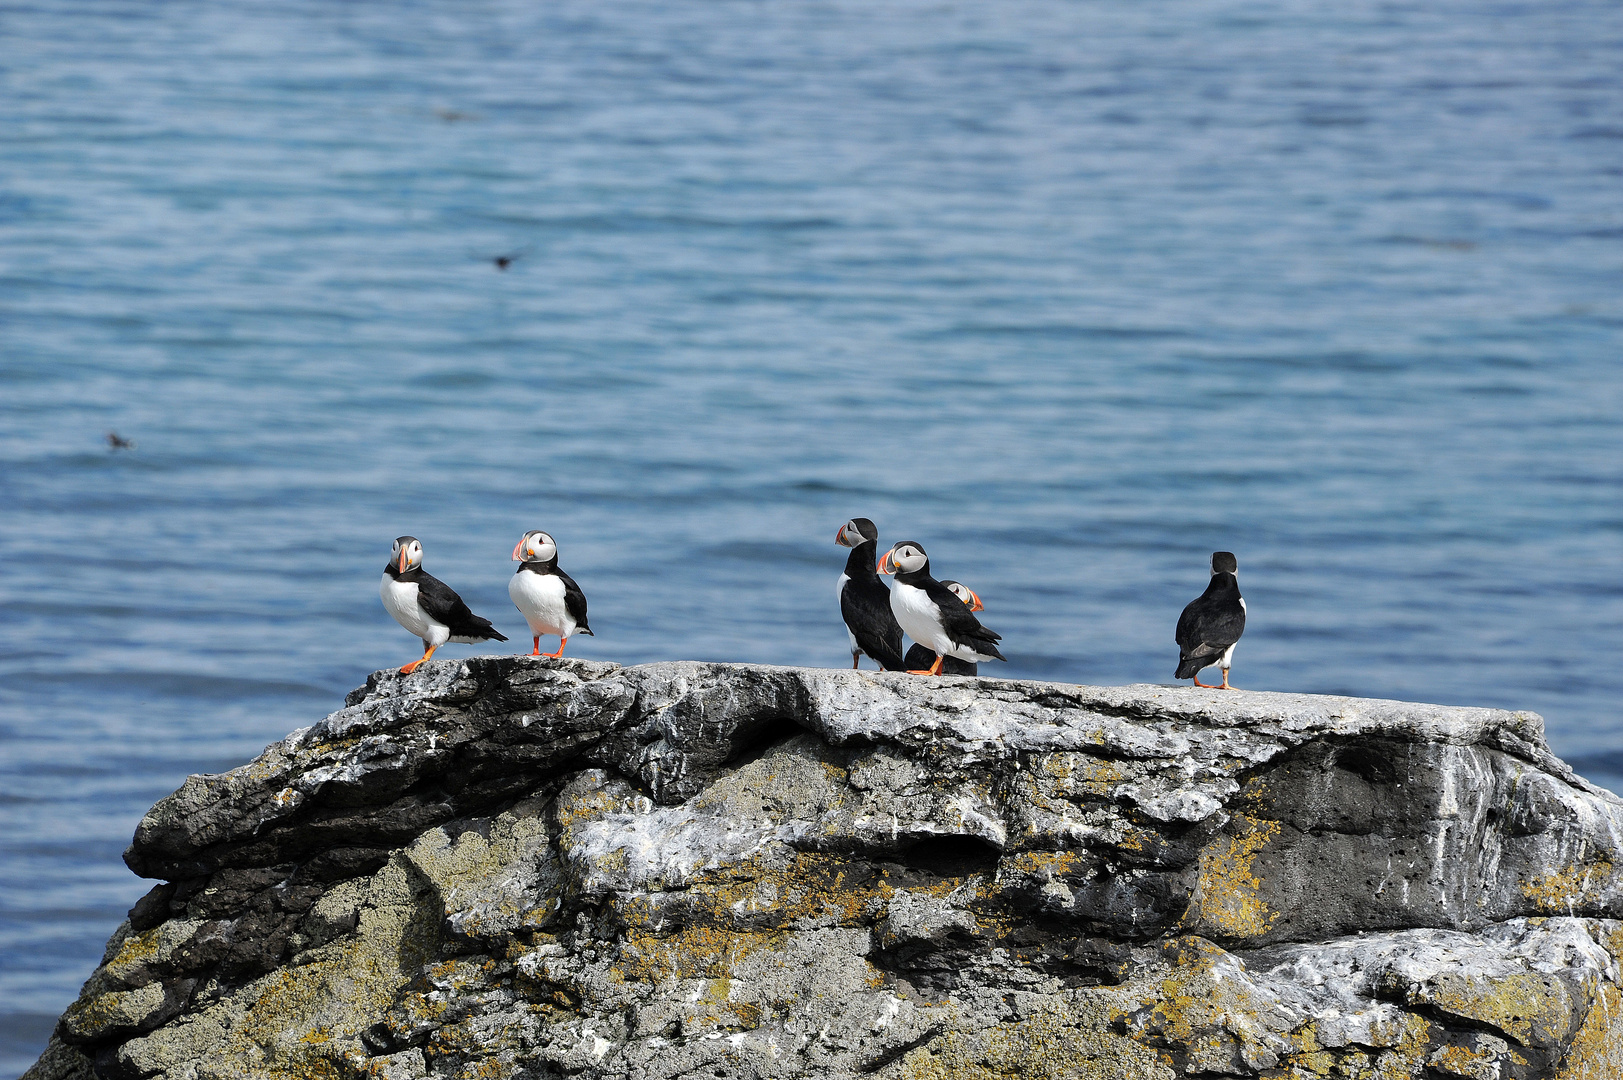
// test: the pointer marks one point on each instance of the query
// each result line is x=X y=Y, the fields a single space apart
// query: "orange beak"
x=975 y=602
x=839 y=537
x=884 y=566
x=402 y=561
x=518 y=549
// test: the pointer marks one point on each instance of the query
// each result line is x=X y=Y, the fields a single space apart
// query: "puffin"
x=1211 y=624
x=918 y=657
x=548 y=598
x=427 y=606
x=931 y=613
x=864 y=599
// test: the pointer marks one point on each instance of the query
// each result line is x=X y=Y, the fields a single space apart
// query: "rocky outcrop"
x=516 y=867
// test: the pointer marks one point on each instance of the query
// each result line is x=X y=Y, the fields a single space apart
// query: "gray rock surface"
x=518 y=867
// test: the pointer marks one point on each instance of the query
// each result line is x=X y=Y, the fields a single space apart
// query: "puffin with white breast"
x=932 y=614
x=548 y=598
x=427 y=606
x=1212 y=623
x=919 y=658
x=864 y=600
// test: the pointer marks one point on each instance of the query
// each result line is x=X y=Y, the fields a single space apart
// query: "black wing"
x=865 y=607
x=1210 y=625
x=441 y=603
x=960 y=623
x=575 y=603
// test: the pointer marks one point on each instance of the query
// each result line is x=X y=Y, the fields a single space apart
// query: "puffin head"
x=407 y=554
x=964 y=593
x=535 y=546
x=904 y=557
x=1224 y=562
x=856 y=531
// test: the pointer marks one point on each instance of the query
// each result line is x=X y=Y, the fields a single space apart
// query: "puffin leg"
x=1206 y=685
x=854 y=658
x=554 y=655
x=415 y=664
x=933 y=669
x=537 y=650
x=1226 y=685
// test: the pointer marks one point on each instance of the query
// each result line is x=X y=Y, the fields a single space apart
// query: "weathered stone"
x=524 y=867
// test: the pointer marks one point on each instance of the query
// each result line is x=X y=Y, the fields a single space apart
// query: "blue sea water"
x=1072 y=292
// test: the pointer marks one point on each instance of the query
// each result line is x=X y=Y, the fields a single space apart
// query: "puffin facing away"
x=427 y=606
x=931 y=613
x=919 y=658
x=864 y=600
x=549 y=599
x=1212 y=623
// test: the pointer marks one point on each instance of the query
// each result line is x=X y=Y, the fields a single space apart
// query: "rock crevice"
x=538 y=868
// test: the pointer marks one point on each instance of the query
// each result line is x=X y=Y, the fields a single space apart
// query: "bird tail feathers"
x=986 y=648
x=1190 y=666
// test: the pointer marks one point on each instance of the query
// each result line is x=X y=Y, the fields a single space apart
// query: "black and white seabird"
x=919 y=658
x=427 y=606
x=932 y=614
x=1212 y=623
x=549 y=599
x=864 y=599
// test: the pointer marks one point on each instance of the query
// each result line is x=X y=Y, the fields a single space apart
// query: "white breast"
x=400 y=600
x=540 y=598
x=919 y=617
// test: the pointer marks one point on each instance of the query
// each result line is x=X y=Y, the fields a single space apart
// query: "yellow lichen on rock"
x=701 y=952
x=1532 y=1007
x=1596 y=1052
x=1081 y=774
x=288 y=1024
x=1227 y=901
x=1572 y=887
x=1052 y=1043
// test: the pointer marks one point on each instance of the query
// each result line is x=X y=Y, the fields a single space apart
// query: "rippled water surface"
x=1074 y=293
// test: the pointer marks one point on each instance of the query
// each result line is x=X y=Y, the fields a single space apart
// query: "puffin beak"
x=884 y=563
x=839 y=537
x=402 y=560
x=975 y=602
x=518 y=549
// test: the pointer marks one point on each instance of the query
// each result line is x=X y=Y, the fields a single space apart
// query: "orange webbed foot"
x=417 y=663
x=555 y=655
